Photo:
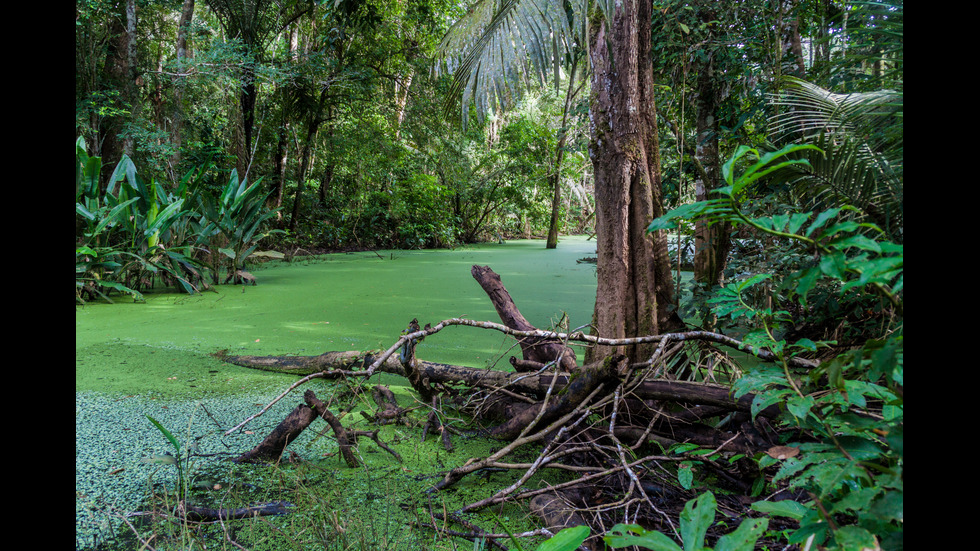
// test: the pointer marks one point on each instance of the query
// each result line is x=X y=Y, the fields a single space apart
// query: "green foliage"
x=568 y=539
x=134 y=231
x=698 y=516
x=130 y=231
x=234 y=221
x=174 y=460
x=850 y=406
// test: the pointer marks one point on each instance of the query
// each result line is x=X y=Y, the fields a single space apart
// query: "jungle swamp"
x=716 y=357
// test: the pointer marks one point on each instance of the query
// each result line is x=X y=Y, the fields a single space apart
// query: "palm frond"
x=805 y=109
x=500 y=46
x=861 y=138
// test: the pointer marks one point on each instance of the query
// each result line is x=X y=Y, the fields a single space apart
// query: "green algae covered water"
x=154 y=358
x=358 y=301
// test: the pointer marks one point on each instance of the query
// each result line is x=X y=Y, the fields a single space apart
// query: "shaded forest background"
x=341 y=111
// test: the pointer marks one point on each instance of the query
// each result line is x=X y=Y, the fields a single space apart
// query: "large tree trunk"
x=177 y=127
x=635 y=292
x=120 y=75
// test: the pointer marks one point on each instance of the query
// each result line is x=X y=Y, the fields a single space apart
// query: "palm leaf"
x=860 y=136
x=500 y=46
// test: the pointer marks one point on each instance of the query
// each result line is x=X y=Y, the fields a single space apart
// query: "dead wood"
x=411 y=365
x=271 y=448
x=334 y=363
x=593 y=420
x=202 y=514
x=338 y=430
x=535 y=349
x=571 y=395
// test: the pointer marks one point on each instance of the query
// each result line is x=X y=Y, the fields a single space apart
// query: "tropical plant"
x=497 y=48
x=95 y=270
x=179 y=460
x=849 y=409
x=698 y=516
x=859 y=152
x=127 y=236
x=154 y=219
x=233 y=225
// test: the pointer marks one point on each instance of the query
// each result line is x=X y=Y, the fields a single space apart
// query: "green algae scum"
x=156 y=358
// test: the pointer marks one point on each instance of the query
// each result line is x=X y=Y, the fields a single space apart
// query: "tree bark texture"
x=635 y=292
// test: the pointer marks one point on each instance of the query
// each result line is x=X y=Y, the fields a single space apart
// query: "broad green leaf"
x=568 y=539
x=685 y=474
x=821 y=219
x=744 y=537
x=799 y=406
x=698 y=515
x=785 y=508
x=855 y=537
x=166 y=433
x=833 y=265
x=625 y=535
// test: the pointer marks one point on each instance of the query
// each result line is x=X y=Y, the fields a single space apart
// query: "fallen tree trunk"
x=200 y=514
x=273 y=446
x=334 y=364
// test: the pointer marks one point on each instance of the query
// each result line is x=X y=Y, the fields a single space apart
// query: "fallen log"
x=334 y=364
x=272 y=447
x=570 y=395
x=202 y=514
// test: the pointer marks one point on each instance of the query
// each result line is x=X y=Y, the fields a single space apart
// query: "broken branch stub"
x=534 y=349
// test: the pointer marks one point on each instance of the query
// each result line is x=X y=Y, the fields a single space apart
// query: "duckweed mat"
x=154 y=358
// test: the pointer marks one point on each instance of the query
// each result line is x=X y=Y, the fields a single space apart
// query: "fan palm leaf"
x=499 y=46
x=860 y=135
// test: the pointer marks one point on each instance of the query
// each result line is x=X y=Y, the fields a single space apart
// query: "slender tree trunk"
x=635 y=291
x=119 y=69
x=791 y=53
x=711 y=242
x=177 y=126
x=570 y=94
x=316 y=118
x=279 y=160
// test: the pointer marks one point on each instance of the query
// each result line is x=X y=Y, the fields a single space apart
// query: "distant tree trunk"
x=556 y=198
x=315 y=120
x=177 y=126
x=559 y=157
x=791 y=50
x=711 y=243
x=401 y=101
x=247 y=121
x=120 y=75
x=279 y=159
x=635 y=291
